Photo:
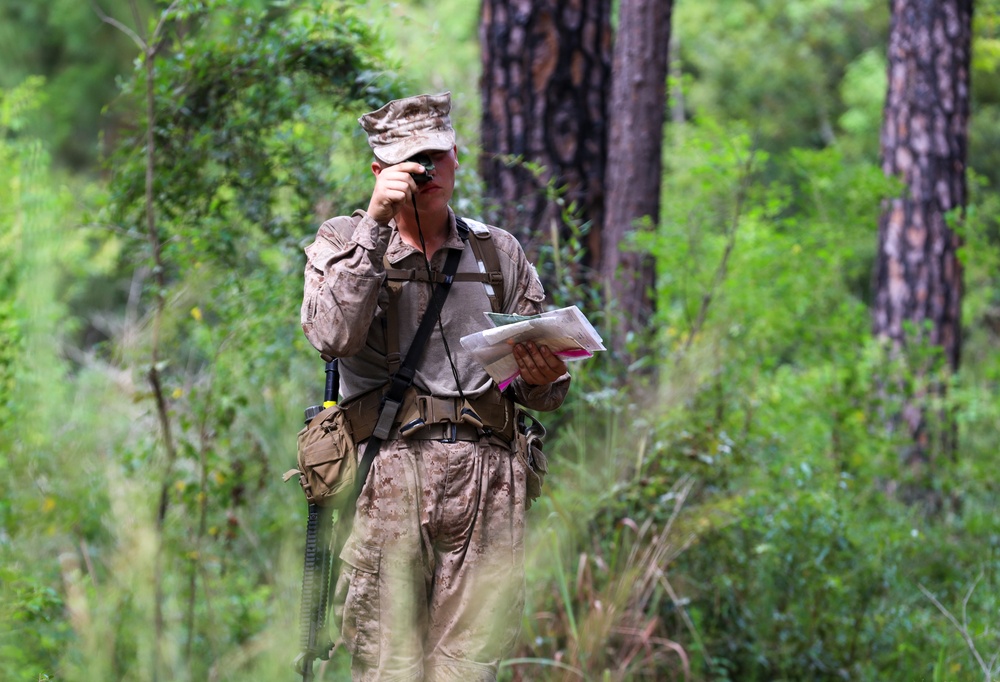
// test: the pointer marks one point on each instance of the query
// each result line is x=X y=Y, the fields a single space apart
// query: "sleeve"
x=527 y=298
x=343 y=276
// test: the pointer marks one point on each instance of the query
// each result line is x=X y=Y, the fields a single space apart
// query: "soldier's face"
x=436 y=194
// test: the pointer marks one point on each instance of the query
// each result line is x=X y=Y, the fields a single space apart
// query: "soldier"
x=432 y=585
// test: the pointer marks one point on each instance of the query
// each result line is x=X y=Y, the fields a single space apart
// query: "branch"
x=136 y=19
x=161 y=24
x=148 y=48
x=962 y=628
x=140 y=43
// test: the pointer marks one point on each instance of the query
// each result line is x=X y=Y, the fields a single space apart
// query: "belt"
x=489 y=415
x=451 y=432
x=444 y=432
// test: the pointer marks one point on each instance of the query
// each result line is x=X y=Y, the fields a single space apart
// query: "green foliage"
x=739 y=522
x=436 y=43
x=242 y=107
x=793 y=559
x=32 y=267
x=863 y=93
x=985 y=122
x=32 y=614
x=14 y=106
x=80 y=58
x=245 y=100
x=776 y=63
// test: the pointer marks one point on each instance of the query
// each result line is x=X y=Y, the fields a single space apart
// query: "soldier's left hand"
x=538 y=364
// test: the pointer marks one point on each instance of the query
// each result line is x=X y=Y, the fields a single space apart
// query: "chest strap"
x=435 y=277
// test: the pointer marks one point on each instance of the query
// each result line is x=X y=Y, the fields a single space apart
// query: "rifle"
x=318 y=571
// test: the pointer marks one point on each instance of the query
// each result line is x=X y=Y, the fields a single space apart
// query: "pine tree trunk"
x=918 y=278
x=546 y=71
x=635 y=167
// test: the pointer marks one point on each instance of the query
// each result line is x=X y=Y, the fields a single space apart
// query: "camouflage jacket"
x=344 y=303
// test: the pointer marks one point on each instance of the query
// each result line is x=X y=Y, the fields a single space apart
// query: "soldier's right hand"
x=393 y=187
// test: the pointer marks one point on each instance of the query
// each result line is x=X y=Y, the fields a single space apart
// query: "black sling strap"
x=403 y=377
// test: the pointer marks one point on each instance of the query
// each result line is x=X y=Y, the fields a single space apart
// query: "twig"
x=962 y=628
x=203 y=444
x=111 y=21
x=965 y=601
x=136 y=19
x=155 y=41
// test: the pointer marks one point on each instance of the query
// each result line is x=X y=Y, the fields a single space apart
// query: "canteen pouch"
x=327 y=458
x=528 y=448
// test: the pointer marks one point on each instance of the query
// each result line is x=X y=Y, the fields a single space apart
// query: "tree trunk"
x=918 y=278
x=546 y=69
x=635 y=166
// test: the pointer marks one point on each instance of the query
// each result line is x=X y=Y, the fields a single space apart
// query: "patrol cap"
x=404 y=127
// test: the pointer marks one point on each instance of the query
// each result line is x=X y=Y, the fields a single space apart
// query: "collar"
x=398 y=250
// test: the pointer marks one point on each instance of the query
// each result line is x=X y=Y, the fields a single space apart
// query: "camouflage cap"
x=404 y=127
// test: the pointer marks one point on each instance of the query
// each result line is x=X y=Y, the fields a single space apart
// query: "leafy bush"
x=793 y=558
x=157 y=485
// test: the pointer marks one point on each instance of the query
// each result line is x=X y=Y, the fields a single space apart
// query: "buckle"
x=409 y=427
x=468 y=416
x=453 y=437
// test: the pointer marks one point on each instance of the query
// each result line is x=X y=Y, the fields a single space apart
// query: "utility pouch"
x=528 y=448
x=327 y=458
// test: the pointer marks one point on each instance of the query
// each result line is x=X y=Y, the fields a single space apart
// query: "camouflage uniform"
x=432 y=586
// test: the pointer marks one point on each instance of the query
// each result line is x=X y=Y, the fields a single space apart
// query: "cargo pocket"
x=360 y=626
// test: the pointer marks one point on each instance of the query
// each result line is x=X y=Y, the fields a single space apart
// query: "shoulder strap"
x=391 y=325
x=489 y=262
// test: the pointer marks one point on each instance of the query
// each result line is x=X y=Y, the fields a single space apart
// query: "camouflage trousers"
x=432 y=584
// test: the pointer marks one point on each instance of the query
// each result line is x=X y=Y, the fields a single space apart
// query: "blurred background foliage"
x=738 y=522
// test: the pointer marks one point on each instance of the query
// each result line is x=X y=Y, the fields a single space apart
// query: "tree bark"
x=546 y=69
x=918 y=278
x=635 y=164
